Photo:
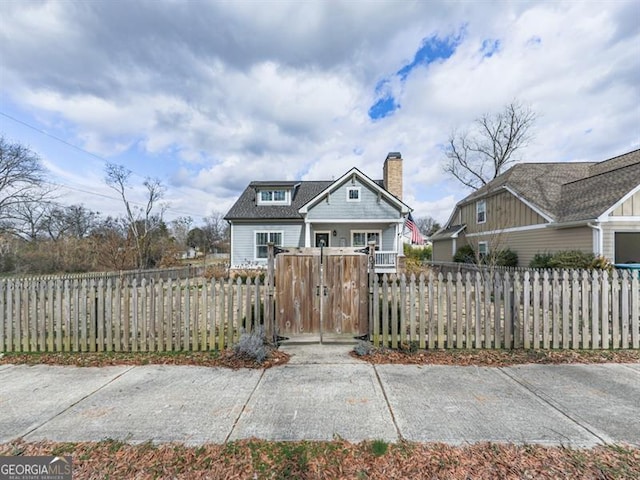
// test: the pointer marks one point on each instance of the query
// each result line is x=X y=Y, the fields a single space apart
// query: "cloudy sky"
x=208 y=96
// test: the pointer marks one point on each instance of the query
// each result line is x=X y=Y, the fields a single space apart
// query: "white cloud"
x=213 y=95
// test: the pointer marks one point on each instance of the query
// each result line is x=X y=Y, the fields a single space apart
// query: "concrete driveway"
x=322 y=394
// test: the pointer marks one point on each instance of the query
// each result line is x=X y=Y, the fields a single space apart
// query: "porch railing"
x=385 y=259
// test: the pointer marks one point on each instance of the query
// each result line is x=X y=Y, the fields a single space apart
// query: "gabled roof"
x=567 y=192
x=246 y=208
x=304 y=194
x=374 y=185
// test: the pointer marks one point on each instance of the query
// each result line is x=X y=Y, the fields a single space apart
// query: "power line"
x=80 y=149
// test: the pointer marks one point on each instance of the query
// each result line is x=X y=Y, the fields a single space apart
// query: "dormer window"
x=274 y=197
x=353 y=194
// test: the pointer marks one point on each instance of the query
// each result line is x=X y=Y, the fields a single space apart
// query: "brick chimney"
x=392 y=174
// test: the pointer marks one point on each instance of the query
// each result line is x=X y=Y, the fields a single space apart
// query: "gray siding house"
x=546 y=207
x=348 y=212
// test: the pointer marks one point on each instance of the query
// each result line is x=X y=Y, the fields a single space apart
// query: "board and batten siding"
x=370 y=205
x=243 y=235
x=538 y=240
x=629 y=208
x=503 y=211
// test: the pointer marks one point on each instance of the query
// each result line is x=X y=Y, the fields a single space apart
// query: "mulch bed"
x=102 y=359
x=497 y=358
x=254 y=459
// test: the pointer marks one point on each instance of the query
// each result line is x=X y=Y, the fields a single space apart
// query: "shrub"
x=601 y=263
x=363 y=348
x=541 y=260
x=465 y=254
x=571 y=259
x=421 y=254
x=252 y=345
x=503 y=258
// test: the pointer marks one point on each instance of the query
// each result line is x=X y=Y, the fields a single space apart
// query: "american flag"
x=416 y=236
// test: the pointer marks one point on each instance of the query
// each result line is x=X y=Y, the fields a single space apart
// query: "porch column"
x=307 y=233
x=399 y=249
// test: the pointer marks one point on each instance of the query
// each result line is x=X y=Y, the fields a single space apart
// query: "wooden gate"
x=321 y=293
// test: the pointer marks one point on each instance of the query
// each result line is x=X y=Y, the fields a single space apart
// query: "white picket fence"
x=552 y=309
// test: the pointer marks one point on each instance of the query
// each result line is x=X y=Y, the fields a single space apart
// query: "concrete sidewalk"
x=321 y=394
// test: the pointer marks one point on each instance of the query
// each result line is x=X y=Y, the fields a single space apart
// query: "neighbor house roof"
x=566 y=192
x=449 y=232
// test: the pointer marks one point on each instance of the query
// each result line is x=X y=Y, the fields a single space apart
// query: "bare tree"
x=21 y=178
x=427 y=225
x=478 y=156
x=216 y=230
x=141 y=221
x=180 y=229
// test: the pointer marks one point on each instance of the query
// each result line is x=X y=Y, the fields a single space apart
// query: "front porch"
x=358 y=234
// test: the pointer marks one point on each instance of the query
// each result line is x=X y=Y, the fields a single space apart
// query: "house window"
x=353 y=194
x=483 y=249
x=274 y=197
x=481 y=211
x=361 y=238
x=263 y=238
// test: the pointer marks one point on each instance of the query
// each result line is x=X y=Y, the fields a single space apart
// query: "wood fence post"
x=372 y=278
x=269 y=317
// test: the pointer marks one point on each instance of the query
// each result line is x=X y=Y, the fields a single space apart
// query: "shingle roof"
x=245 y=207
x=445 y=233
x=590 y=197
x=569 y=191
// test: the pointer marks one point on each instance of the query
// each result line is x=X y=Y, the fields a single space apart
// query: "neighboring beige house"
x=546 y=207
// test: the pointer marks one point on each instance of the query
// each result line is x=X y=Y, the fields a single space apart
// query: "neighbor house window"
x=481 y=211
x=353 y=194
x=362 y=238
x=263 y=238
x=274 y=197
x=483 y=249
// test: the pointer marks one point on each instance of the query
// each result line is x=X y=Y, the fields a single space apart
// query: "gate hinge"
x=363 y=250
x=277 y=250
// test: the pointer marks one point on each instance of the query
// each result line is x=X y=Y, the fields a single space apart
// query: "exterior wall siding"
x=243 y=247
x=343 y=233
x=442 y=251
x=367 y=208
x=608 y=235
x=503 y=211
x=630 y=207
x=542 y=240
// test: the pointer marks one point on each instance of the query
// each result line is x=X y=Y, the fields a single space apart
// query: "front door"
x=320 y=237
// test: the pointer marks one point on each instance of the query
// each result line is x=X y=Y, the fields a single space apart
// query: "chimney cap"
x=394 y=155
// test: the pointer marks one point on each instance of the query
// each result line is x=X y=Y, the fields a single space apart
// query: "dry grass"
x=205 y=359
x=498 y=358
x=254 y=459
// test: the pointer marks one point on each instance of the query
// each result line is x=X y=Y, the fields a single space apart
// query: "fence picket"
x=422 y=331
x=624 y=308
x=566 y=297
x=441 y=294
x=595 y=311
x=635 y=311
x=568 y=309
x=615 y=310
